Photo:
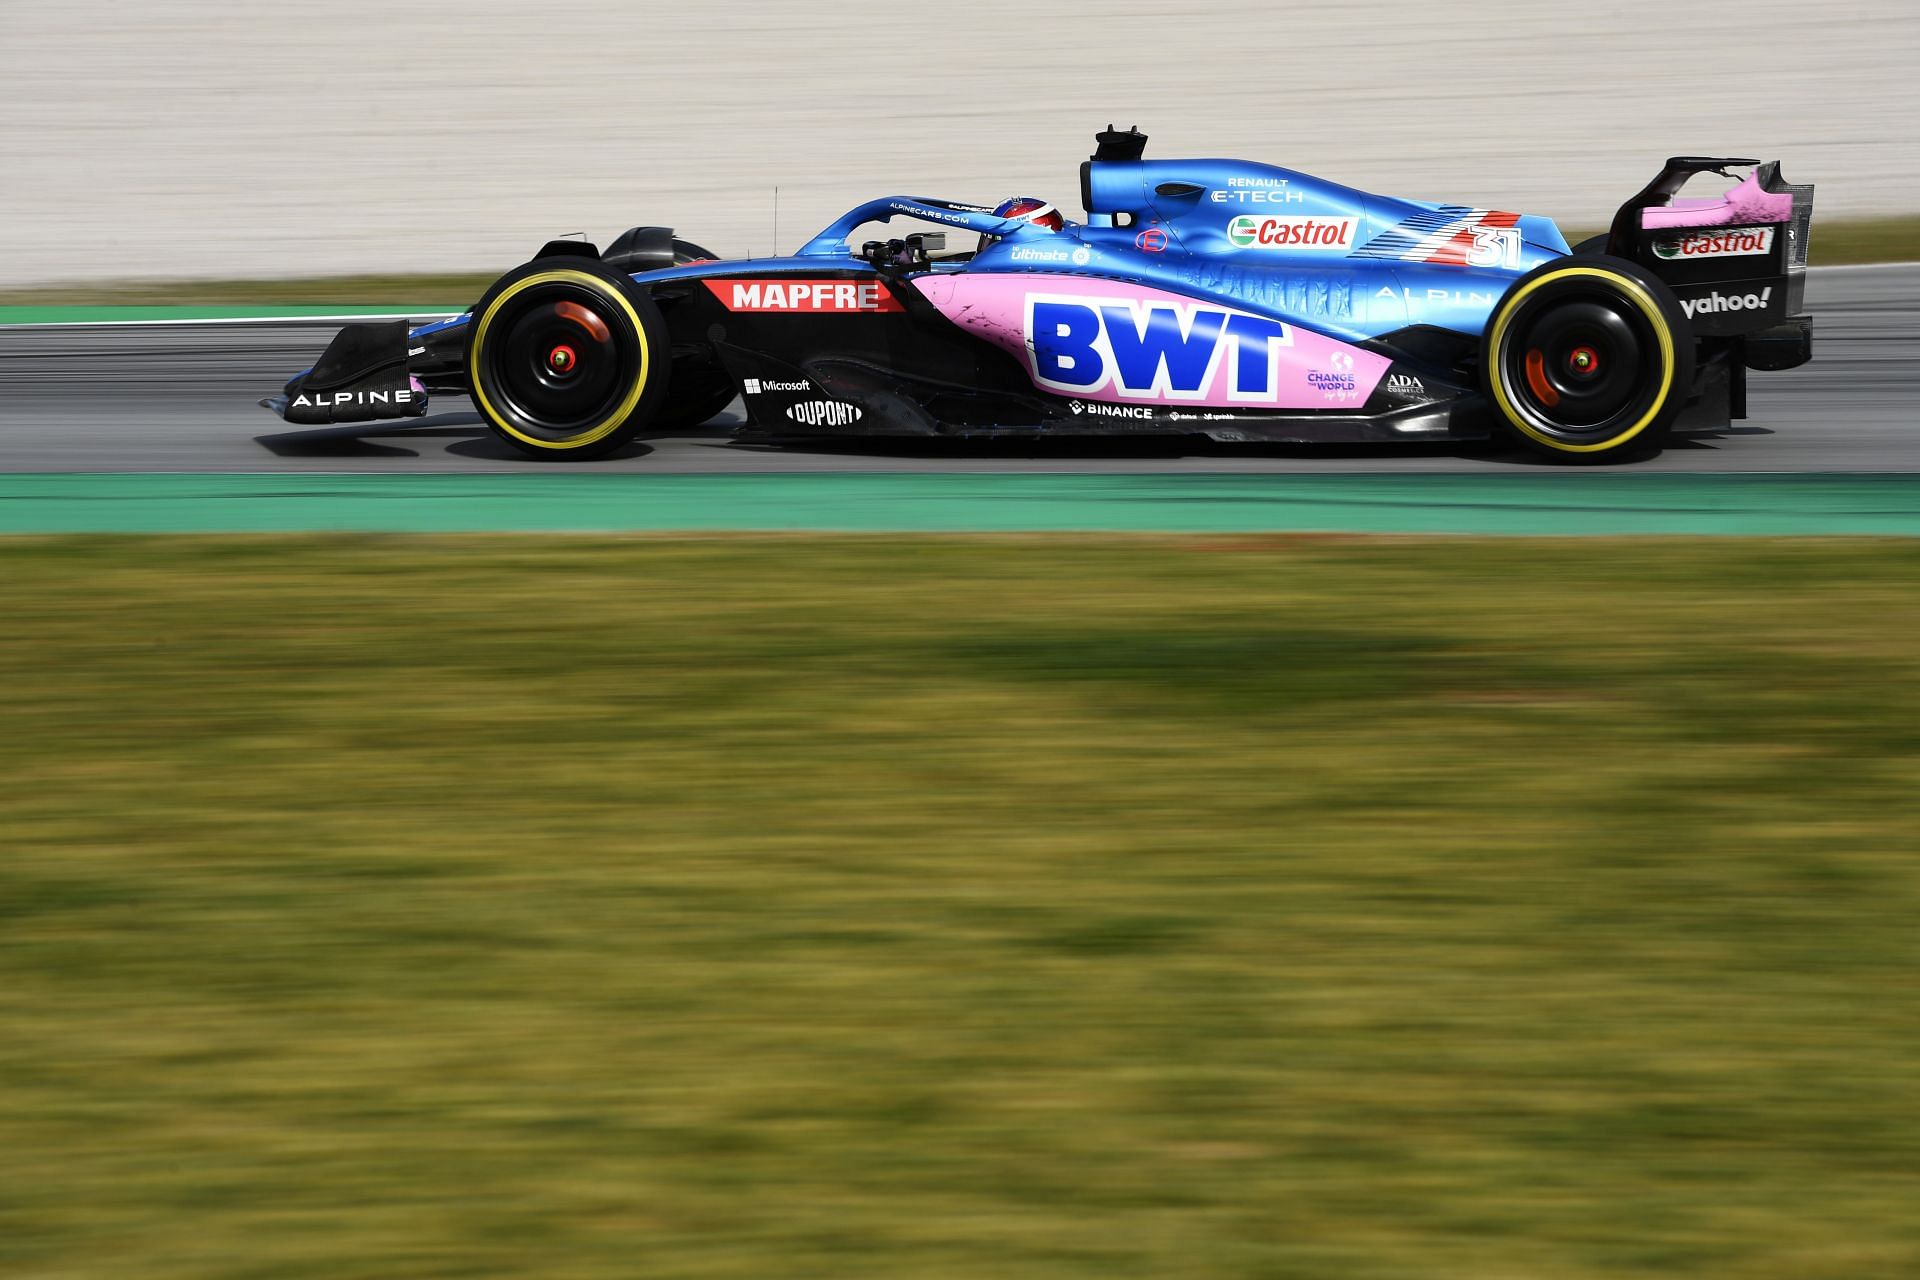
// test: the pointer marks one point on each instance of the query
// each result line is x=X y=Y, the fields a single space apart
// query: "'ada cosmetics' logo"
x=808 y=296
x=1719 y=303
x=1744 y=243
x=1318 y=235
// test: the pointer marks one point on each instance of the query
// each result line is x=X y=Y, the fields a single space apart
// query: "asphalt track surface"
x=183 y=399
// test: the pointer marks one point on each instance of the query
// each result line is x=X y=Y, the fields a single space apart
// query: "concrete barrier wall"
x=197 y=138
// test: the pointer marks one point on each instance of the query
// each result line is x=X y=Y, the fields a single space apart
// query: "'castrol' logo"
x=1293 y=231
x=1744 y=243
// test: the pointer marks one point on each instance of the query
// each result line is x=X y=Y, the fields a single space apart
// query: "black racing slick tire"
x=567 y=359
x=1588 y=359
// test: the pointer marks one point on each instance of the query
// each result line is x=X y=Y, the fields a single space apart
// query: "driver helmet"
x=1026 y=209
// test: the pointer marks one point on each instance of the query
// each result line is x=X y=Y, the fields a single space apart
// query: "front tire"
x=566 y=359
x=1588 y=359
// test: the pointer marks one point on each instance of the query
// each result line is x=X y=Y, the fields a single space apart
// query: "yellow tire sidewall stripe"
x=600 y=430
x=1640 y=298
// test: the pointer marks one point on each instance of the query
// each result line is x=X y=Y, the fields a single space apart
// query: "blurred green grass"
x=746 y=907
x=1894 y=239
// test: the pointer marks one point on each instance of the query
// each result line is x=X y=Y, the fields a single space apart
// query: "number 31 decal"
x=1494 y=247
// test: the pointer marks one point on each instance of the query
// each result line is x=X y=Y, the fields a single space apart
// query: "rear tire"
x=566 y=359
x=1588 y=360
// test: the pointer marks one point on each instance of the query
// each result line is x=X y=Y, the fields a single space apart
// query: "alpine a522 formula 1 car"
x=1220 y=298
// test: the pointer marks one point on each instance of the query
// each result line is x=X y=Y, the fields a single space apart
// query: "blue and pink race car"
x=1219 y=298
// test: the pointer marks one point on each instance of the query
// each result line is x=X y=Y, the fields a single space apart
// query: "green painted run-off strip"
x=1537 y=504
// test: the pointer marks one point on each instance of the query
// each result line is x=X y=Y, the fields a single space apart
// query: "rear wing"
x=1738 y=261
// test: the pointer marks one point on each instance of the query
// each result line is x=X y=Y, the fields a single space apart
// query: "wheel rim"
x=555 y=365
x=1581 y=365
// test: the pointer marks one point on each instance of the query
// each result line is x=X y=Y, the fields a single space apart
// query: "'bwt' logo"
x=1152 y=351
